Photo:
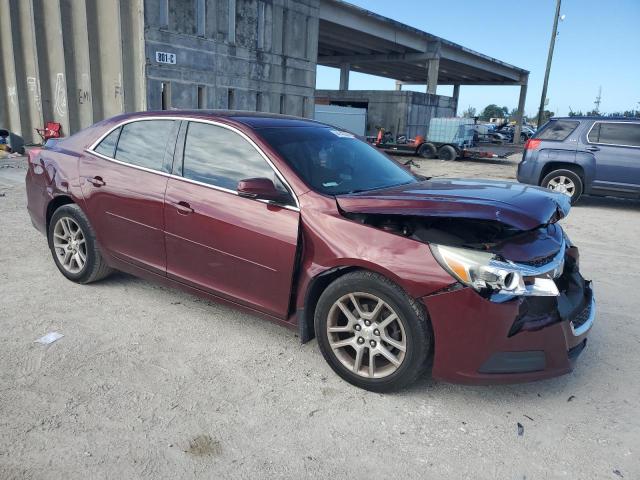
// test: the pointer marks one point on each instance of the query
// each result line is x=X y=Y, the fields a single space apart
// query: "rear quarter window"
x=107 y=146
x=557 y=130
x=622 y=134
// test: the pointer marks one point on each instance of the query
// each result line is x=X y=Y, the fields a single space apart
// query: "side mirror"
x=260 y=189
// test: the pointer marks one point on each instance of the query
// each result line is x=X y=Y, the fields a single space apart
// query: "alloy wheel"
x=562 y=184
x=70 y=245
x=366 y=335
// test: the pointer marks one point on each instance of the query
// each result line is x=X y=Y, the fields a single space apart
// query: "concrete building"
x=78 y=61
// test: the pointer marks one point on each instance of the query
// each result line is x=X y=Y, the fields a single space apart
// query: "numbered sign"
x=165 y=57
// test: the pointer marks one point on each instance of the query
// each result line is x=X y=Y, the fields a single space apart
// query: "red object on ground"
x=50 y=130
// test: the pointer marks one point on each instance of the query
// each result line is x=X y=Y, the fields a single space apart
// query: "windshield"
x=334 y=162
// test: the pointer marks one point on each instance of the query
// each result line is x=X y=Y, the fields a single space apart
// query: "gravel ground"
x=154 y=383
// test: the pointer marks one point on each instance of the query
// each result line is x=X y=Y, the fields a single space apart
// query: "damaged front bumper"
x=512 y=340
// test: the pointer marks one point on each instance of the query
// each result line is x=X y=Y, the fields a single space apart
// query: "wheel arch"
x=305 y=314
x=551 y=166
x=55 y=203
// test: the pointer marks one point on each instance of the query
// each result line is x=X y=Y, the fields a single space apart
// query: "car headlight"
x=485 y=272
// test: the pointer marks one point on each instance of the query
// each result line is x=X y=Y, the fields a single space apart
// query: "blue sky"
x=598 y=45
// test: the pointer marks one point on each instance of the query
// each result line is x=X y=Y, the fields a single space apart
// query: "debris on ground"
x=49 y=338
x=618 y=473
x=571 y=398
x=204 y=445
x=520 y=429
x=528 y=417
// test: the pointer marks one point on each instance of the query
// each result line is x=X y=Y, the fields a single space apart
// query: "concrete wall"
x=402 y=112
x=265 y=60
x=69 y=61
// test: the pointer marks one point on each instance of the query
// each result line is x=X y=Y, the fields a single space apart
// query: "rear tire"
x=564 y=181
x=73 y=246
x=383 y=323
x=447 y=152
x=427 y=150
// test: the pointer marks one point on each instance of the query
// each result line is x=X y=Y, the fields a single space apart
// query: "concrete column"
x=26 y=68
x=432 y=75
x=133 y=56
x=456 y=96
x=344 y=76
x=398 y=85
x=51 y=62
x=9 y=108
x=520 y=113
x=105 y=49
x=75 y=37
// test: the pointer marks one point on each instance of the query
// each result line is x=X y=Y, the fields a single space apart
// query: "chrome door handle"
x=183 y=207
x=593 y=149
x=96 y=181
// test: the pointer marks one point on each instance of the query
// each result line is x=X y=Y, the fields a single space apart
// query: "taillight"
x=532 y=144
x=32 y=154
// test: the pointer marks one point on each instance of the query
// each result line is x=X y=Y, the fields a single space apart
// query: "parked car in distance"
x=318 y=231
x=584 y=155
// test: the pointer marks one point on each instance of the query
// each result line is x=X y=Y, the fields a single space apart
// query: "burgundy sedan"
x=310 y=227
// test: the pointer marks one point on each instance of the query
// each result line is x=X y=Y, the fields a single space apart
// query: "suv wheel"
x=73 y=245
x=564 y=181
x=371 y=332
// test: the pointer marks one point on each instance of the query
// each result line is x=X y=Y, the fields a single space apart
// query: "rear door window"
x=557 y=130
x=621 y=134
x=143 y=143
x=107 y=146
x=220 y=157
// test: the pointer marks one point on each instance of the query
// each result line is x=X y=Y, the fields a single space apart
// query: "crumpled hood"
x=521 y=206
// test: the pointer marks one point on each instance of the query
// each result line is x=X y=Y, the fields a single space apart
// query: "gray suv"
x=591 y=155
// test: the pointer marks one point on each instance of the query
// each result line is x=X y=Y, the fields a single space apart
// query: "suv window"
x=627 y=134
x=141 y=141
x=107 y=146
x=557 y=130
x=220 y=157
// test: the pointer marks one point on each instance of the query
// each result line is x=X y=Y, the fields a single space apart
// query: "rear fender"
x=50 y=174
x=588 y=163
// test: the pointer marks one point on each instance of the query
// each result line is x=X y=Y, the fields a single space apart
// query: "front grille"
x=582 y=317
x=539 y=262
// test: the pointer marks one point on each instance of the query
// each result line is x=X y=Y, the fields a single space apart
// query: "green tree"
x=546 y=115
x=469 y=112
x=493 y=111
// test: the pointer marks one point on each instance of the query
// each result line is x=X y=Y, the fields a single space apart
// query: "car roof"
x=254 y=120
x=594 y=117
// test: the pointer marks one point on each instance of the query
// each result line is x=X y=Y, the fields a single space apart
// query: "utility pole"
x=598 y=100
x=552 y=44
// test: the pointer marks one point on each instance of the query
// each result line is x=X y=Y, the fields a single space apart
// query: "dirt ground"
x=154 y=383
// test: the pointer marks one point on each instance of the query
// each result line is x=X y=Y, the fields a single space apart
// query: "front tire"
x=371 y=333
x=564 y=181
x=73 y=246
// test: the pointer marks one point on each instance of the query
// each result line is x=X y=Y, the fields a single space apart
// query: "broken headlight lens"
x=484 y=272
